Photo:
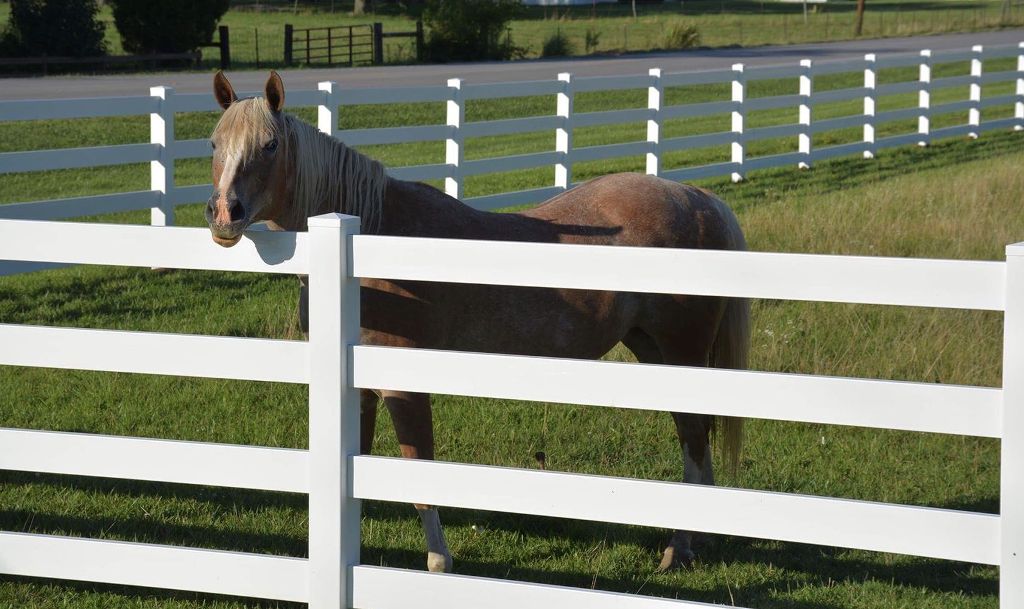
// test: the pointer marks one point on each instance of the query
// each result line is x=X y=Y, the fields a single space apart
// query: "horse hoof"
x=675 y=558
x=439 y=563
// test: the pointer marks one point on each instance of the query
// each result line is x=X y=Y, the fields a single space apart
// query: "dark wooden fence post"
x=288 y=44
x=419 y=40
x=225 y=47
x=378 y=43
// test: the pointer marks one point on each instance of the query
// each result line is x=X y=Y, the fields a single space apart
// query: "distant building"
x=566 y=2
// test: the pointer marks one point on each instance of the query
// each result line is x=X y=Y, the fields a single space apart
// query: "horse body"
x=281 y=186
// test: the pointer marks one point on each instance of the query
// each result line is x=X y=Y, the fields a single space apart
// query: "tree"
x=860 y=17
x=178 y=26
x=469 y=30
x=61 y=28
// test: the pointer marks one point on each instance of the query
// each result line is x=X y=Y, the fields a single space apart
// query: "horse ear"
x=275 y=92
x=223 y=91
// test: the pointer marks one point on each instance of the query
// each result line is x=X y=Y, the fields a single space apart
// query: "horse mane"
x=328 y=176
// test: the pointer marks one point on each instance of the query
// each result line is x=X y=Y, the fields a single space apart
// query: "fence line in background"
x=163 y=149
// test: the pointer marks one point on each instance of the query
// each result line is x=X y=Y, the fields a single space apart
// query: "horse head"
x=250 y=148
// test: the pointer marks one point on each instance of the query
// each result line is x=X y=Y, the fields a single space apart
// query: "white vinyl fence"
x=163 y=149
x=335 y=366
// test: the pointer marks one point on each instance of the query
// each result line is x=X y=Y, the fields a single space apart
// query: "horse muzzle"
x=226 y=228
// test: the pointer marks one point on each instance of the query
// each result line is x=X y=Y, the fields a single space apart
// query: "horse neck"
x=327 y=176
x=331 y=177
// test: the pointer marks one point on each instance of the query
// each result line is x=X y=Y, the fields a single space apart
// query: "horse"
x=269 y=166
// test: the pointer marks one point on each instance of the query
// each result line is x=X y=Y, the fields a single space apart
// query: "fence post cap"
x=328 y=85
x=737 y=67
x=334 y=220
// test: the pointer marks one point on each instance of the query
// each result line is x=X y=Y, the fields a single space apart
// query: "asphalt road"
x=541 y=69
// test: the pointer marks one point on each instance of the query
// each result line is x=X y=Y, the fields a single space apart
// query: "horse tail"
x=731 y=349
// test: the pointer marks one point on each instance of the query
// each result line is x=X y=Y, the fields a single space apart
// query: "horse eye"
x=213 y=144
x=271 y=145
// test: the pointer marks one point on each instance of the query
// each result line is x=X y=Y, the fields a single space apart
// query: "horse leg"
x=692 y=430
x=368 y=400
x=693 y=433
x=410 y=413
x=304 y=303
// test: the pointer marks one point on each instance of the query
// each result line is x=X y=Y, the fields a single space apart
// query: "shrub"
x=682 y=36
x=177 y=26
x=465 y=30
x=63 y=28
x=593 y=38
x=557 y=45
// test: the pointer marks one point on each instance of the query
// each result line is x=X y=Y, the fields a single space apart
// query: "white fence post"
x=655 y=93
x=161 y=171
x=563 y=134
x=870 y=105
x=453 y=150
x=974 y=112
x=327 y=112
x=1019 y=109
x=333 y=411
x=1011 y=468
x=924 y=98
x=806 y=135
x=739 y=96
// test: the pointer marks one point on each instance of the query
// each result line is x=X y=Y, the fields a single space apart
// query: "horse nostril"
x=237 y=211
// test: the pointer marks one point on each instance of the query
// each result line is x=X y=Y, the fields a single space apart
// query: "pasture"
x=955 y=199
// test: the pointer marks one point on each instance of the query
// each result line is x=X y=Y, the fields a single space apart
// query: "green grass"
x=721 y=24
x=955 y=199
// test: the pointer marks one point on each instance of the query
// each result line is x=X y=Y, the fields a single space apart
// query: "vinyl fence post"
x=924 y=98
x=327 y=111
x=739 y=95
x=806 y=135
x=870 y=102
x=1019 y=109
x=453 y=150
x=655 y=93
x=333 y=411
x=1011 y=468
x=563 y=134
x=974 y=113
x=161 y=170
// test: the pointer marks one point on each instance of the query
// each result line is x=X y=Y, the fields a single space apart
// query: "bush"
x=593 y=38
x=469 y=30
x=557 y=45
x=178 y=26
x=61 y=28
x=682 y=36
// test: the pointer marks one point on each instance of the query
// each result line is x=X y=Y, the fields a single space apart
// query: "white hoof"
x=676 y=557
x=439 y=563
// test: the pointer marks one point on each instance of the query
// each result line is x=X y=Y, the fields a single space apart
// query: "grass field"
x=615 y=30
x=955 y=199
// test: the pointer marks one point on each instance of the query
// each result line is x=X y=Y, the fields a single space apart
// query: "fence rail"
x=335 y=367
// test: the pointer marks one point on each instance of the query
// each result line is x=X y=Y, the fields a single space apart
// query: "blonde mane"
x=328 y=176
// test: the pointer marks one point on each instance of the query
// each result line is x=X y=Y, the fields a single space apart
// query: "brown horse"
x=270 y=166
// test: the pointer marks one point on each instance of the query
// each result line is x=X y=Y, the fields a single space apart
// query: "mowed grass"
x=955 y=199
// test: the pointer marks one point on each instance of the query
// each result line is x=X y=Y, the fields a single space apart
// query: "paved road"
x=396 y=76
